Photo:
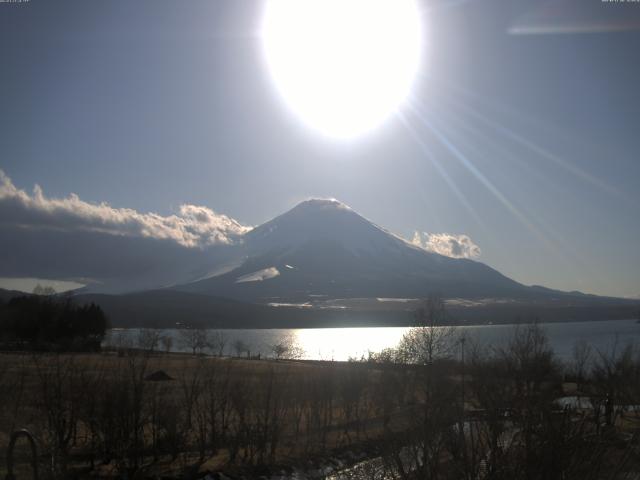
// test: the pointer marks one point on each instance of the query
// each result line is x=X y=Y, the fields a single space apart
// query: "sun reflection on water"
x=344 y=343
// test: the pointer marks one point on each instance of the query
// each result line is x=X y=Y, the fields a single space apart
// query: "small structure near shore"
x=159 y=376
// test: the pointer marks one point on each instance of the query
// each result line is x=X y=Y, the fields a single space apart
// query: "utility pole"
x=463 y=339
x=463 y=441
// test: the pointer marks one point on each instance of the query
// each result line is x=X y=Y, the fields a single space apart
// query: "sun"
x=343 y=66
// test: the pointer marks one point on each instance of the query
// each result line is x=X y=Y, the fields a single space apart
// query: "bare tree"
x=612 y=378
x=279 y=349
x=148 y=339
x=430 y=339
x=352 y=385
x=59 y=399
x=240 y=347
x=287 y=348
x=167 y=342
x=191 y=386
x=534 y=379
x=581 y=356
x=522 y=433
x=121 y=340
x=217 y=342
x=13 y=375
x=47 y=291
x=195 y=339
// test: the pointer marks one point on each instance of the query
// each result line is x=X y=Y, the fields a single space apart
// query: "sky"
x=160 y=116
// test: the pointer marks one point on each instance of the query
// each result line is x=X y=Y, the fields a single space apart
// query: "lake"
x=340 y=344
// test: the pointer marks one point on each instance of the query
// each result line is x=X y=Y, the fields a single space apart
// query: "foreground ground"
x=110 y=413
x=148 y=415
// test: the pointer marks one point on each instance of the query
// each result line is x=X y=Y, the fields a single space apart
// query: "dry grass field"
x=140 y=414
x=164 y=414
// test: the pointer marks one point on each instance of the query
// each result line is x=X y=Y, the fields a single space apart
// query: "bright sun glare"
x=343 y=65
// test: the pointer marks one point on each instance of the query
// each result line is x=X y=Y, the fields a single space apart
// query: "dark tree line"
x=51 y=323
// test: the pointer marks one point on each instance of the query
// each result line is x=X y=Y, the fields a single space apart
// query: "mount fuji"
x=323 y=264
x=324 y=249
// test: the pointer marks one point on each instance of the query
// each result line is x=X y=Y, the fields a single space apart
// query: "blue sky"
x=527 y=143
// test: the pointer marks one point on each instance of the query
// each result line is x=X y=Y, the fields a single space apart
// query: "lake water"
x=344 y=343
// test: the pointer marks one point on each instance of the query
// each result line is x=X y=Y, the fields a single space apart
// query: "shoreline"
x=408 y=325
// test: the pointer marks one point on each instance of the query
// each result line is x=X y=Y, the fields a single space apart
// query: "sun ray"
x=469 y=165
x=439 y=168
x=532 y=146
x=552 y=242
x=563 y=250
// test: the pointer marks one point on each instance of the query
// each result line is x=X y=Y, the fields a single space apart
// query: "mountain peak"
x=318 y=219
x=322 y=204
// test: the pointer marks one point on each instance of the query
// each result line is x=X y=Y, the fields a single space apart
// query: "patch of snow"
x=400 y=300
x=221 y=270
x=463 y=302
x=260 y=275
x=298 y=305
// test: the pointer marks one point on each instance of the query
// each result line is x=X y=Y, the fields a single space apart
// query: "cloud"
x=193 y=226
x=447 y=244
x=111 y=249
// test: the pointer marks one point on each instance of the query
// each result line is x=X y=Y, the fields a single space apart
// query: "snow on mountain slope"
x=317 y=219
x=260 y=275
x=323 y=247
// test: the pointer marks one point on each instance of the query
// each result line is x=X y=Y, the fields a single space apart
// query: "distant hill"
x=167 y=308
x=170 y=309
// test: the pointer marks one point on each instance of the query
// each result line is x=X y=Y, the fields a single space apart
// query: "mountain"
x=324 y=249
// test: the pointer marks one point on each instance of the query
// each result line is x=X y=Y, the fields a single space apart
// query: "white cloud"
x=447 y=244
x=193 y=226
